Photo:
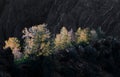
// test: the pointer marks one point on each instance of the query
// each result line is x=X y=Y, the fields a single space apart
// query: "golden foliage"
x=63 y=39
x=82 y=35
x=12 y=43
x=37 y=40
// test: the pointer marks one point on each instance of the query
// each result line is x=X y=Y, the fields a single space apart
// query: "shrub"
x=85 y=35
x=37 y=41
x=64 y=39
x=14 y=44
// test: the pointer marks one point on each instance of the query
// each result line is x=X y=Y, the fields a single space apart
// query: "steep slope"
x=57 y=13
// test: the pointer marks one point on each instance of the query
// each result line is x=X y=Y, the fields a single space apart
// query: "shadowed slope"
x=57 y=13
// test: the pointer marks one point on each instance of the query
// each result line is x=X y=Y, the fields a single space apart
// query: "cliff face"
x=18 y=14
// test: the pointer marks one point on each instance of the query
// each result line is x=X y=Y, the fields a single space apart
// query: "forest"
x=59 y=38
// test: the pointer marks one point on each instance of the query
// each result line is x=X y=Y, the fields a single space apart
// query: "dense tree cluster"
x=99 y=58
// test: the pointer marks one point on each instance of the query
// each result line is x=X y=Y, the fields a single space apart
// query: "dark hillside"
x=18 y=14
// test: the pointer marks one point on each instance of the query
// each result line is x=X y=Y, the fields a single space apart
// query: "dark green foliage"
x=96 y=59
x=99 y=58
